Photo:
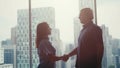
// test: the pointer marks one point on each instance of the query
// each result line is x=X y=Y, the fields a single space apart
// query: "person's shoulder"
x=96 y=27
x=44 y=41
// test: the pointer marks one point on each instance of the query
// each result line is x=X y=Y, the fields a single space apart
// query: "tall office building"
x=117 y=60
x=115 y=46
x=8 y=51
x=6 y=42
x=108 y=56
x=1 y=55
x=13 y=35
x=2 y=65
x=13 y=41
x=77 y=29
x=71 y=61
x=44 y=14
x=116 y=52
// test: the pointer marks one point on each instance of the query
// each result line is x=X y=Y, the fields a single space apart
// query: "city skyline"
x=62 y=16
x=65 y=14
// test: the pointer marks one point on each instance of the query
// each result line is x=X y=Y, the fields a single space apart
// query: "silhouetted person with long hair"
x=46 y=51
x=90 y=42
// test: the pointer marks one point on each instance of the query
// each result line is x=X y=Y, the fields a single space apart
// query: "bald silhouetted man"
x=90 y=43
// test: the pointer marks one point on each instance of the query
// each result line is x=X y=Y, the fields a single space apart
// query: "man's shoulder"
x=96 y=27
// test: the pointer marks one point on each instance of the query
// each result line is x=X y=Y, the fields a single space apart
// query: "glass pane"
x=62 y=17
x=59 y=15
x=108 y=19
x=12 y=41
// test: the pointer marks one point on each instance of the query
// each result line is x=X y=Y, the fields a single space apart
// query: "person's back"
x=87 y=57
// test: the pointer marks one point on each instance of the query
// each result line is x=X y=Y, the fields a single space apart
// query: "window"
x=62 y=16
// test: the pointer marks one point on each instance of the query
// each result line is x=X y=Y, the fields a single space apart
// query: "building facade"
x=13 y=35
x=108 y=48
x=1 y=55
x=6 y=66
x=8 y=51
x=13 y=41
x=71 y=61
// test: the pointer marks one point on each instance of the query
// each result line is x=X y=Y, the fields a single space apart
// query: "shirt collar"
x=88 y=24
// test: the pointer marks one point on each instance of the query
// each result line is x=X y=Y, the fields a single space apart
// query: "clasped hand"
x=56 y=58
x=64 y=57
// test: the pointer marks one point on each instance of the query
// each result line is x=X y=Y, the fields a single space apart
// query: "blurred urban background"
x=62 y=16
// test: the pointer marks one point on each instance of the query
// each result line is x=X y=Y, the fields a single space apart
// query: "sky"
x=109 y=14
x=65 y=12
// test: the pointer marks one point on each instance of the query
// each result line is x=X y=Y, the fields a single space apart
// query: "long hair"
x=41 y=32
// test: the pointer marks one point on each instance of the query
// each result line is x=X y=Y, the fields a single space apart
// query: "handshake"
x=64 y=57
x=54 y=58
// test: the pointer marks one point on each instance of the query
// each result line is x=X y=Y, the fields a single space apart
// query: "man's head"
x=86 y=15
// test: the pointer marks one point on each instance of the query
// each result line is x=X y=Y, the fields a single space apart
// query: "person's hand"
x=65 y=58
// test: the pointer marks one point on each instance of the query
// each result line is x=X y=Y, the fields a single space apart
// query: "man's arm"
x=74 y=52
x=99 y=46
x=100 y=51
x=55 y=58
x=66 y=57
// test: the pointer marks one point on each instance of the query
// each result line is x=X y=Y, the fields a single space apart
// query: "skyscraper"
x=8 y=52
x=44 y=14
x=77 y=29
x=107 y=57
x=1 y=55
x=2 y=65
x=13 y=41
x=117 y=60
x=13 y=35
x=71 y=61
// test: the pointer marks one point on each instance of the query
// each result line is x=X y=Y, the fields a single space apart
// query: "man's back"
x=87 y=50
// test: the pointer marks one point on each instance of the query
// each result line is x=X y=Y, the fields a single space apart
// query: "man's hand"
x=65 y=58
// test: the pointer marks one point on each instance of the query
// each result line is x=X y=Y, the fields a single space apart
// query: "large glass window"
x=62 y=16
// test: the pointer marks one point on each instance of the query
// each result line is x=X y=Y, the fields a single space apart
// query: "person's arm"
x=100 y=51
x=66 y=57
x=99 y=47
x=55 y=58
x=74 y=52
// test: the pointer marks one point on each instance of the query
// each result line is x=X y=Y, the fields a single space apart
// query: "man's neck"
x=87 y=24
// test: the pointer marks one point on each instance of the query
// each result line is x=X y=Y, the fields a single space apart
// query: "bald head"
x=86 y=15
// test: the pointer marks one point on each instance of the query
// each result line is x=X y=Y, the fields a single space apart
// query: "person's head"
x=86 y=15
x=43 y=30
